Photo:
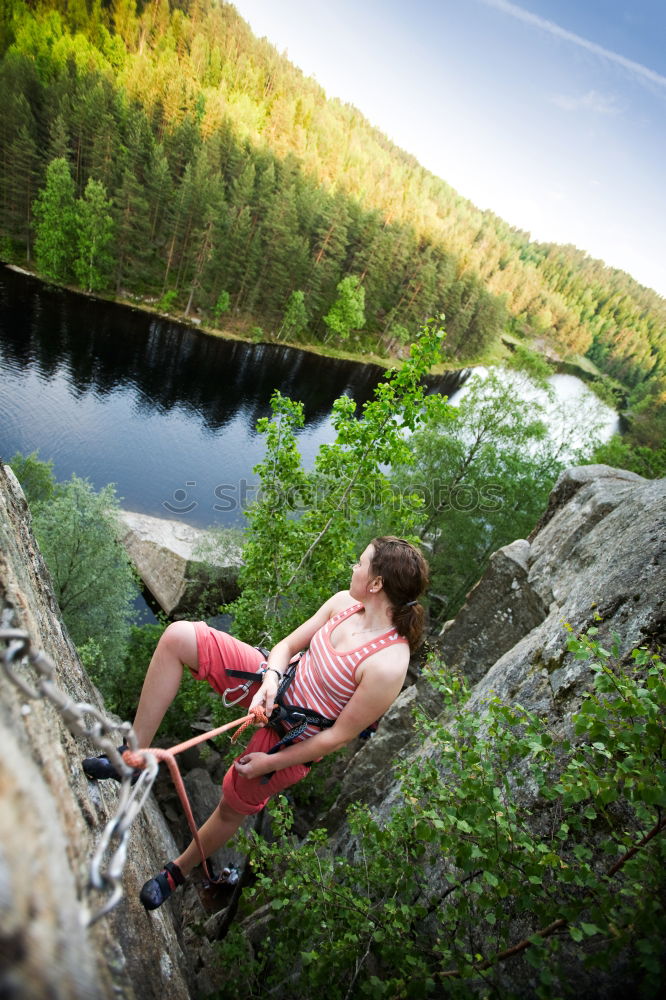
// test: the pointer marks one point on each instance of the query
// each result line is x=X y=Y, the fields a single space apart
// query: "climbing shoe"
x=157 y=890
x=101 y=767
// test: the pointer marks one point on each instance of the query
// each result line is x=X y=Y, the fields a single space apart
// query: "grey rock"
x=489 y=624
x=599 y=552
x=51 y=820
x=173 y=560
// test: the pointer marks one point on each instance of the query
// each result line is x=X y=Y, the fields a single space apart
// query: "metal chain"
x=106 y=875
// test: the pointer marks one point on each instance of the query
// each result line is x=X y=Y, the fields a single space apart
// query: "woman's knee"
x=179 y=639
x=228 y=814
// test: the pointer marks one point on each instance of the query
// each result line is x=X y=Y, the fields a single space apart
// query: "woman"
x=358 y=647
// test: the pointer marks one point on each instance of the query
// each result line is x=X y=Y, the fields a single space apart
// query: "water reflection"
x=576 y=418
x=162 y=410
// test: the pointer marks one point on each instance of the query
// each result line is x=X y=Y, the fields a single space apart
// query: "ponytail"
x=409 y=621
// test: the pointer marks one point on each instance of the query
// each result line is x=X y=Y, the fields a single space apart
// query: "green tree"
x=20 y=167
x=93 y=581
x=132 y=226
x=330 y=243
x=36 y=477
x=93 y=264
x=348 y=311
x=304 y=528
x=295 y=318
x=222 y=305
x=55 y=222
x=483 y=469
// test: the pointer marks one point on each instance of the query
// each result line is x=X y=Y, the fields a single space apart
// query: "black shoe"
x=157 y=890
x=101 y=767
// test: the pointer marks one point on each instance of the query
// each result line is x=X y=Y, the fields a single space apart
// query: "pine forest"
x=160 y=153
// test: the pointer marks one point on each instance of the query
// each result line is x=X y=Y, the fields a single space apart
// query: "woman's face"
x=361 y=574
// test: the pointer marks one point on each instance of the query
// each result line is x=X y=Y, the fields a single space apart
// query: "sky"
x=549 y=113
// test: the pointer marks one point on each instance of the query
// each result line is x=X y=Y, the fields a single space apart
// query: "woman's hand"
x=265 y=696
x=255 y=765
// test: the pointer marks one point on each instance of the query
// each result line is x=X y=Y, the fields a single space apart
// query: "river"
x=162 y=410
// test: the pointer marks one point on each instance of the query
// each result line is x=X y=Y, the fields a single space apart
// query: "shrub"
x=518 y=863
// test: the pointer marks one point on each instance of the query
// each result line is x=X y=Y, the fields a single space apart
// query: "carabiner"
x=244 y=690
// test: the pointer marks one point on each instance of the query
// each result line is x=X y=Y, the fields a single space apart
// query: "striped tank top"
x=326 y=679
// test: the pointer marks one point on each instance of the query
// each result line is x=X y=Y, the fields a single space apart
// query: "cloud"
x=601 y=104
x=642 y=73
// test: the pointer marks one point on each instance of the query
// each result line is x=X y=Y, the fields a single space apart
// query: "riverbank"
x=240 y=330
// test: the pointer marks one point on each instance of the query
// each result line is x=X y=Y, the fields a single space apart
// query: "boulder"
x=174 y=561
x=52 y=818
x=499 y=611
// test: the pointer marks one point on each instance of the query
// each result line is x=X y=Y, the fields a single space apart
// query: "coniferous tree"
x=285 y=254
x=295 y=318
x=58 y=145
x=329 y=252
x=133 y=236
x=21 y=188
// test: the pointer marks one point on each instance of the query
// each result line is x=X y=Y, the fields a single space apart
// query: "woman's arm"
x=380 y=686
x=282 y=652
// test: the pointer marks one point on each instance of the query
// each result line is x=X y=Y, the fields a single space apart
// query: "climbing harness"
x=289 y=721
x=105 y=875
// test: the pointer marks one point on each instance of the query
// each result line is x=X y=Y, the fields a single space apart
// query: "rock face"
x=168 y=557
x=480 y=633
x=599 y=549
x=51 y=819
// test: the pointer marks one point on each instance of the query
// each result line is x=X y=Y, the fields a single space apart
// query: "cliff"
x=52 y=818
x=597 y=556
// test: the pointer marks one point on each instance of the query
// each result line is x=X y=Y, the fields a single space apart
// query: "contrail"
x=643 y=72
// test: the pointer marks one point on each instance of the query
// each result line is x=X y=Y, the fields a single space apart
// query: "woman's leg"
x=177 y=647
x=216 y=831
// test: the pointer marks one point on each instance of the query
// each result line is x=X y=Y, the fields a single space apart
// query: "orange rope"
x=256 y=717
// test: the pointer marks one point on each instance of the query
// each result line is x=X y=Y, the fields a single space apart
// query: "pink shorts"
x=217 y=652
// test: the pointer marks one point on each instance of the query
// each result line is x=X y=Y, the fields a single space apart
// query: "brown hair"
x=405 y=575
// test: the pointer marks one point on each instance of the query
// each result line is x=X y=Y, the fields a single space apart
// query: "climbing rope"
x=255 y=717
x=105 y=874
